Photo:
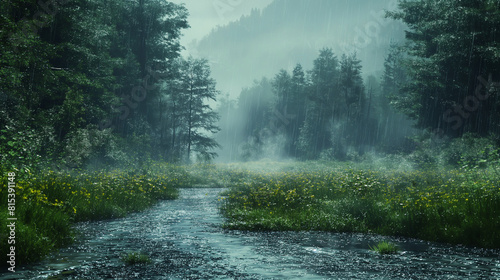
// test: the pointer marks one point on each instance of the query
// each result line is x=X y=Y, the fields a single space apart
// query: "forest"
x=81 y=85
x=80 y=90
x=101 y=116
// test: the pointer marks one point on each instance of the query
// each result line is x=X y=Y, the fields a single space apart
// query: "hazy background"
x=206 y=15
x=246 y=40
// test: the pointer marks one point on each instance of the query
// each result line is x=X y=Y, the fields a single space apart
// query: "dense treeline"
x=286 y=32
x=100 y=81
x=92 y=82
x=325 y=112
x=453 y=60
x=442 y=79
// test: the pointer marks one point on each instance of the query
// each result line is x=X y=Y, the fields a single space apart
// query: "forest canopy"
x=87 y=82
x=439 y=89
x=100 y=81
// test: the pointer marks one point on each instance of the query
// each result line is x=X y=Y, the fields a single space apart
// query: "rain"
x=236 y=139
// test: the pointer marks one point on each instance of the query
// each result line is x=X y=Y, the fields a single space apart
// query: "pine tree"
x=198 y=88
x=323 y=105
x=350 y=124
x=453 y=50
x=289 y=106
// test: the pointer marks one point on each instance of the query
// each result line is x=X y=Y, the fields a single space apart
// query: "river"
x=184 y=240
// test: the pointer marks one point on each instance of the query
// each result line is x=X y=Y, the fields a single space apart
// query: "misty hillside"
x=293 y=31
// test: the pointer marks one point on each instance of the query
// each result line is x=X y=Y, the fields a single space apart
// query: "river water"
x=184 y=240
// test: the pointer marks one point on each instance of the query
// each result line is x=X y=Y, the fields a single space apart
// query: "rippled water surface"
x=184 y=240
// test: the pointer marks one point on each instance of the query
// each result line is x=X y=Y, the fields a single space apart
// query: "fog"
x=364 y=119
x=233 y=80
x=288 y=32
x=246 y=54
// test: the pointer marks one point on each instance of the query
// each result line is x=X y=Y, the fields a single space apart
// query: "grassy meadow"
x=48 y=203
x=456 y=206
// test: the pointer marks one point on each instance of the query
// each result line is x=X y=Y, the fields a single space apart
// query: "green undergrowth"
x=385 y=248
x=453 y=206
x=216 y=175
x=133 y=258
x=48 y=203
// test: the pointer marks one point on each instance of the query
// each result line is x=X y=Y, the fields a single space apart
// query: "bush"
x=471 y=151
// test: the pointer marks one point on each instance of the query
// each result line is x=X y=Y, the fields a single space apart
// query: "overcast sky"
x=204 y=15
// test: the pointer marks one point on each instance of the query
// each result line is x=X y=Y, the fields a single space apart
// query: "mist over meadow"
x=374 y=117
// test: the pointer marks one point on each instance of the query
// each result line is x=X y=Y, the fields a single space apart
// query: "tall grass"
x=385 y=247
x=48 y=203
x=453 y=206
x=133 y=258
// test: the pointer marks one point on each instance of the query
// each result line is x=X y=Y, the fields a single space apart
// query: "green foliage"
x=385 y=247
x=33 y=237
x=85 y=144
x=325 y=101
x=470 y=151
x=48 y=203
x=197 y=89
x=444 y=206
x=189 y=119
x=467 y=152
x=325 y=114
x=452 y=65
x=19 y=149
x=133 y=258
x=289 y=108
x=62 y=72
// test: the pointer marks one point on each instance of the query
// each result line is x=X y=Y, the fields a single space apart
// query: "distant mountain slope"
x=293 y=31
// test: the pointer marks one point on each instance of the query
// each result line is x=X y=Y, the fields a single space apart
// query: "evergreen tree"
x=393 y=101
x=323 y=106
x=171 y=117
x=280 y=122
x=297 y=108
x=350 y=124
x=289 y=107
x=453 y=63
x=198 y=88
x=63 y=67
